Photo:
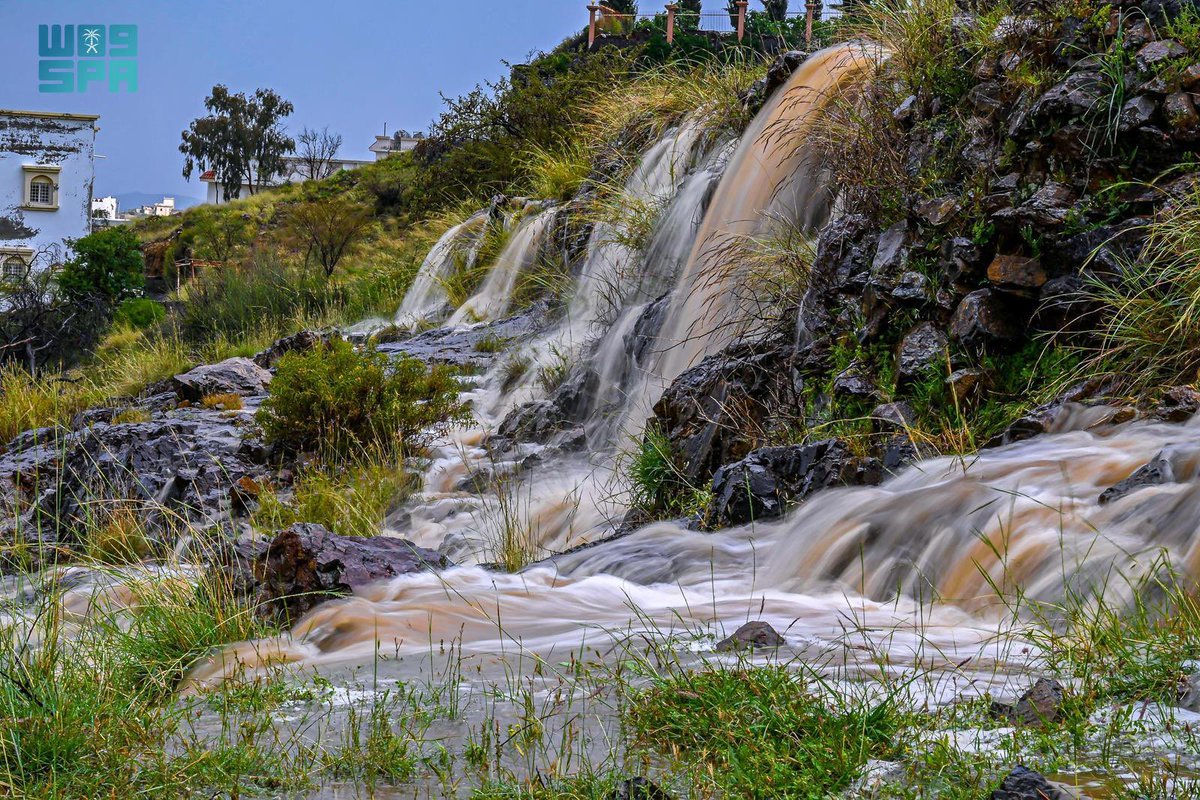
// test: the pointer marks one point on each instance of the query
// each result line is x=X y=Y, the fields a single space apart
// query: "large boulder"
x=239 y=376
x=300 y=342
x=705 y=412
x=985 y=319
x=306 y=564
x=751 y=636
x=176 y=471
x=764 y=483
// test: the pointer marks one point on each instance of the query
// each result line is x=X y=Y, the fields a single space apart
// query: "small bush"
x=336 y=399
x=107 y=266
x=139 y=312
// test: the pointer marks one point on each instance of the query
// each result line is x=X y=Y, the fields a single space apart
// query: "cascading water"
x=855 y=566
x=426 y=299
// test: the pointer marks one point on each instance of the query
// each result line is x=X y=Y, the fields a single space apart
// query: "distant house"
x=105 y=208
x=165 y=208
x=400 y=142
x=47 y=168
x=294 y=172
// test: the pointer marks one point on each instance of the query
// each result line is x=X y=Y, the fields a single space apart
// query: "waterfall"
x=520 y=252
x=426 y=299
x=860 y=566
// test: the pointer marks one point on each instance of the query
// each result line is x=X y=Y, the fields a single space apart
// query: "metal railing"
x=603 y=21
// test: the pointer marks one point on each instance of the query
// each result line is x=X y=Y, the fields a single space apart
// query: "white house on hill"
x=294 y=172
x=47 y=168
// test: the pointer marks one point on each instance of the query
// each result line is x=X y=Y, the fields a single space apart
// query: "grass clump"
x=759 y=732
x=657 y=486
x=222 y=402
x=350 y=499
x=336 y=399
x=1149 y=328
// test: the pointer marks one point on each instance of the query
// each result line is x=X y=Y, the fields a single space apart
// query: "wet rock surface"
x=751 y=636
x=1025 y=784
x=306 y=564
x=466 y=347
x=1157 y=472
x=1042 y=704
x=769 y=480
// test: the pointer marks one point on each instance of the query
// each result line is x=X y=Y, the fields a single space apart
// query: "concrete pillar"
x=592 y=9
x=671 y=9
x=808 y=21
x=741 y=26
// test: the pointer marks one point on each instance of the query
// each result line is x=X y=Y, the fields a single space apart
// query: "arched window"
x=41 y=191
x=14 y=269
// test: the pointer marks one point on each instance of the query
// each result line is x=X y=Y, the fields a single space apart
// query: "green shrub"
x=335 y=399
x=107 y=266
x=139 y=312
x=236 y=302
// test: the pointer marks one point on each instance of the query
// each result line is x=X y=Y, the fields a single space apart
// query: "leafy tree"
x=689 y=14
x=107 y=267
x=337 y=400
x=328 y=226
x=317 y=150
x=623 y=6
x=240 y=140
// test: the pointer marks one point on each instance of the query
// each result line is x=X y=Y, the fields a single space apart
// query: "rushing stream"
x=909 y=567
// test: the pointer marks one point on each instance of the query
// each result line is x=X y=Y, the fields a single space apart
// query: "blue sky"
x=349 y=64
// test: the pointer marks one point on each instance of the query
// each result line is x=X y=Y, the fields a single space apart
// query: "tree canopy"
x=241 y=139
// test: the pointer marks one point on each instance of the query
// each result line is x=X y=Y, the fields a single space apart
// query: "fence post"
x=592 y=9
x=808 y=21
x=741 y=26
x=671 y=9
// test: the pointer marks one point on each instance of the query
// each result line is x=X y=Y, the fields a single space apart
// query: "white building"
x=47 y=168
x=163 y=209
x=105 y=208
x=400 y=143
x=294 y=172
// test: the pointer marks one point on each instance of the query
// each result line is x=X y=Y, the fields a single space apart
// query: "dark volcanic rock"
x=239 y=376
x=1040 y=705
x=921 y=348
x=766 y=481
x=964 y=382
x=306 y=565
x=1178 y=404
x=175 y=471
x=1136 y=113
x=1155 y=473
x=1025 y=784
x=300 y=342
x=704 y=411
x=898 y=415
x=750 y=636
x=984 y=319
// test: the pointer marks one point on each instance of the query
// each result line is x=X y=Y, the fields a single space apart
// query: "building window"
x=41 y=187
x=41 y=191
x=14 y=269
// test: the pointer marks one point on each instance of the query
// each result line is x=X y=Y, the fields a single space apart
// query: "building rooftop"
x=12 y=112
